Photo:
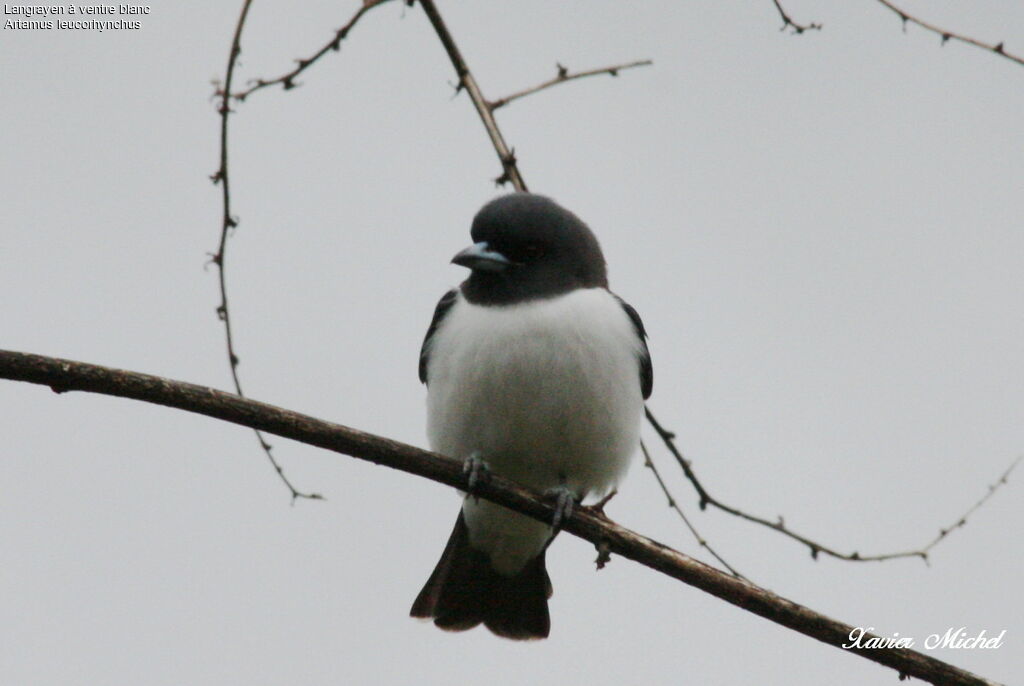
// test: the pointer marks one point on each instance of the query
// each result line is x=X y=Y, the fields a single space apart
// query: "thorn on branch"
x=233 y=358
x=222 y=312
x=604 y=554
x=563 y=71
x=814 y=552
x=288 y=83
x=217 y=176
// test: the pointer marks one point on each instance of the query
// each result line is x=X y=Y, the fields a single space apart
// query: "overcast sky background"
x=822 y=233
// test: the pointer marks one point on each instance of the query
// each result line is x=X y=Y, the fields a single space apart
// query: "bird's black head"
x=527 y=247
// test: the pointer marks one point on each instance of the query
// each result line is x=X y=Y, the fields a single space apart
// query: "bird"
x=537 y=372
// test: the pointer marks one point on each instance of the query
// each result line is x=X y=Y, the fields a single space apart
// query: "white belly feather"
x=547 y=392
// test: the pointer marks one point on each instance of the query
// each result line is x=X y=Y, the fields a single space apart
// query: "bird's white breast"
x=547 y=392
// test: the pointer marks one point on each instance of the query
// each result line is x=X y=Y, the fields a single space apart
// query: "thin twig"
x=649 y=463
x=780 y=525
x=510 y=169
x=947 y=36
x=962 y=521
x=564 y=75
x=228 y=223
x=67 y=375
x=287 y=81
x=787 y=21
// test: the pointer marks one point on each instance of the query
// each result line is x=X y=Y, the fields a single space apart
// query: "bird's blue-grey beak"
x=480 y=257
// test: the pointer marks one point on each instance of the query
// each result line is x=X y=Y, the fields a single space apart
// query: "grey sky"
x=822 y=234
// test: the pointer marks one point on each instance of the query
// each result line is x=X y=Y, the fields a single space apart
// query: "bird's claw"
x=565 y=503
x=476 y=470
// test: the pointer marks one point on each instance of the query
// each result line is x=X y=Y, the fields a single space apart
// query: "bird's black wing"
x=443 y=305
x=646 y=369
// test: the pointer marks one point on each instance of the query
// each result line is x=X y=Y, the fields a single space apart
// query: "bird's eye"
x=533 y=251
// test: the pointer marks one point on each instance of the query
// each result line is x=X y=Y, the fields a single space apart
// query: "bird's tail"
x=465 y=590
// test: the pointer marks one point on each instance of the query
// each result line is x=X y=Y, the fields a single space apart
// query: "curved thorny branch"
x=228 y=224
x=780 y=524
x=947 y=35
x=584 y=522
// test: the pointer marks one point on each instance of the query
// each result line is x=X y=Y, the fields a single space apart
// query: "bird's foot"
x=476 y=470
x=565 y=503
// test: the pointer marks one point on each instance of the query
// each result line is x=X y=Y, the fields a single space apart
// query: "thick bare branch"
x=564 y=75
x=780 y=524
x=67 y=375
x=947 y=36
